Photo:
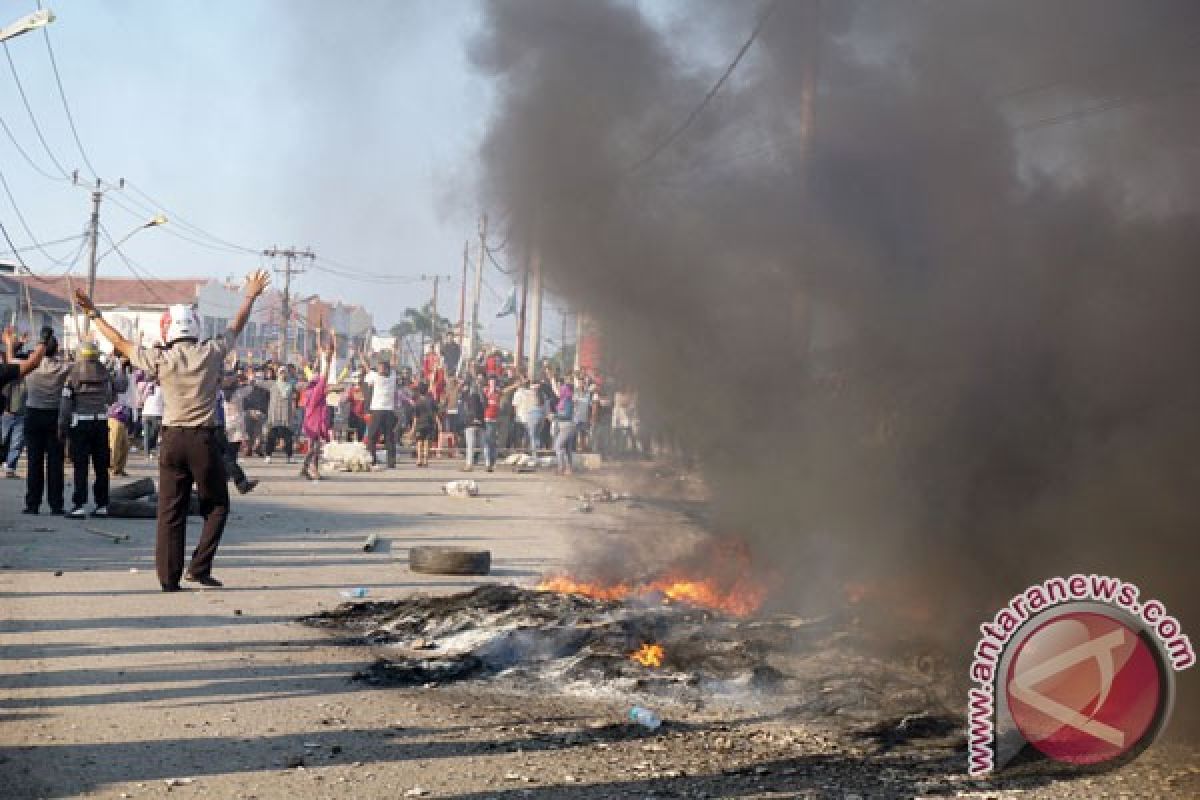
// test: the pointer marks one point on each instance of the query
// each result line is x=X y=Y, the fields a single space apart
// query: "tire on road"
x=449 y=560
x=132 y=509
x=132 y=490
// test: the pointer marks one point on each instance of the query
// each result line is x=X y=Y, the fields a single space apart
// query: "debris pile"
x=347 y=456
x=548 y=641
x=463 y=488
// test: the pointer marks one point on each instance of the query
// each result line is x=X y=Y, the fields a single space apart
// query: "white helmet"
x=180 y=322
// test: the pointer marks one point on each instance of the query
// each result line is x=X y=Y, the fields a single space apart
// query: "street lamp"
x=30 y=22
x=159 y=219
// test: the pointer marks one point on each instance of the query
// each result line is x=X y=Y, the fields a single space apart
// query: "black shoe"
x=32 y=511
x=172 y=587
x=204 y=580
x=247 y=487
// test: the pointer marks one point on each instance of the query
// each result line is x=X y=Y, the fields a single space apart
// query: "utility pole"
x=433 y=315
x=93 y=239
x=462 y=295
x=535 y=321
x=562 y=343
x=478 y=288
x=289 y=255
x=521 y=320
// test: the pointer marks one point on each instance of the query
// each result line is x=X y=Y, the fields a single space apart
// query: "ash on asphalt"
x=518 y=639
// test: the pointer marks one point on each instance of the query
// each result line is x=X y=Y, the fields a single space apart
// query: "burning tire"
x=449 y=561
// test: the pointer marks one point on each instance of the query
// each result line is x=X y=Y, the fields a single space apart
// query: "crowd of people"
x=87 y=410
x=196 y=409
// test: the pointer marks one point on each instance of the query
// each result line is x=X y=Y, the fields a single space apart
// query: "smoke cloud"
x=918 y=287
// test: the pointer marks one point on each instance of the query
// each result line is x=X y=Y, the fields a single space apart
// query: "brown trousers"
x=118 y=446
x=187 y=456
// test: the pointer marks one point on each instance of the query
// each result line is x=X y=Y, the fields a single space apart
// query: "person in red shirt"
x=492 y=365
x=491 y=419
x=356 y=418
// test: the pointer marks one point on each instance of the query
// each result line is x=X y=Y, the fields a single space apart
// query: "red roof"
x=117 y=292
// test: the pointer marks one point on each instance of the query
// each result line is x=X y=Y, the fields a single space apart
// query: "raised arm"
x=26 y=365
x=256 y=283
x=120 y=343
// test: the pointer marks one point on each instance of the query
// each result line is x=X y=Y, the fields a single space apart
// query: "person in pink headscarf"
x=316 y=418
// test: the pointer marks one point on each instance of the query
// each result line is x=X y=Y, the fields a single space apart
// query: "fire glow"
x=741 y=599
x=649 y=655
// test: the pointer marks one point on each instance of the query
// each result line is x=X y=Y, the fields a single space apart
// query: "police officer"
x=83 y=419
x=43 y=395
x=189 y=372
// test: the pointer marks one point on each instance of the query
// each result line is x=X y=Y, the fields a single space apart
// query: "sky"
x=349 y=128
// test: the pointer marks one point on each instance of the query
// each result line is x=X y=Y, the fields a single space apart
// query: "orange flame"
x=740 y=599
x=716 y=576
x=649 y=655
x=597 y=591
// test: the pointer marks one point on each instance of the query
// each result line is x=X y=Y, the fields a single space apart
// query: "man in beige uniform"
x=189 y=372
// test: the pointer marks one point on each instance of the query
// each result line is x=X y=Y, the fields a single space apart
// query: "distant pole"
x=289 y=256
x=474 y=332
x=462 y=294
x=93 y=241
x=578 y=339
x=433 y=315
x=521 y=317
x=535 y=320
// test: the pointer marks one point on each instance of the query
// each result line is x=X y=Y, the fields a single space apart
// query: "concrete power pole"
x=521 y=320
x=462 y=295
x=93 y=243
x=474 y=328
x=535 y=318
x=289 y=256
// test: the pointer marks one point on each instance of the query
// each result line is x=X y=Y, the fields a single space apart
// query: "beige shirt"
x=190 y=375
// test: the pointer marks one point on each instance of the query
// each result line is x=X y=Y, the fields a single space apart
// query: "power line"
x=33 y=164
x=25 y=224
x=716 y=87
x=50 y=243
x=66 y=106
x=133 y=268
x=175 y=217
x=32 y=119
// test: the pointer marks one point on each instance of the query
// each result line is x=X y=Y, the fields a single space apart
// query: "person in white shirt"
x=152 y=414
x=529 y=412
x=382 y=383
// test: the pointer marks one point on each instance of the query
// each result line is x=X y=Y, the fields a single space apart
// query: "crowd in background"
x=484 y=408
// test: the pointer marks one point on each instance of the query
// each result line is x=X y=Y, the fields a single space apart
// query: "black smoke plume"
x=918 y=286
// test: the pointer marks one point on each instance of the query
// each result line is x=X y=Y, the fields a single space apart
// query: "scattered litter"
x=357 y=591
x=370 y=543
x=645 y=717
x=463 y=488
x=347 y=456
x=522 y=462
x=603 y=496
x=113 y=537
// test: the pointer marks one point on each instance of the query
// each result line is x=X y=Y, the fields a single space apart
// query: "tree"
x=421 y=321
